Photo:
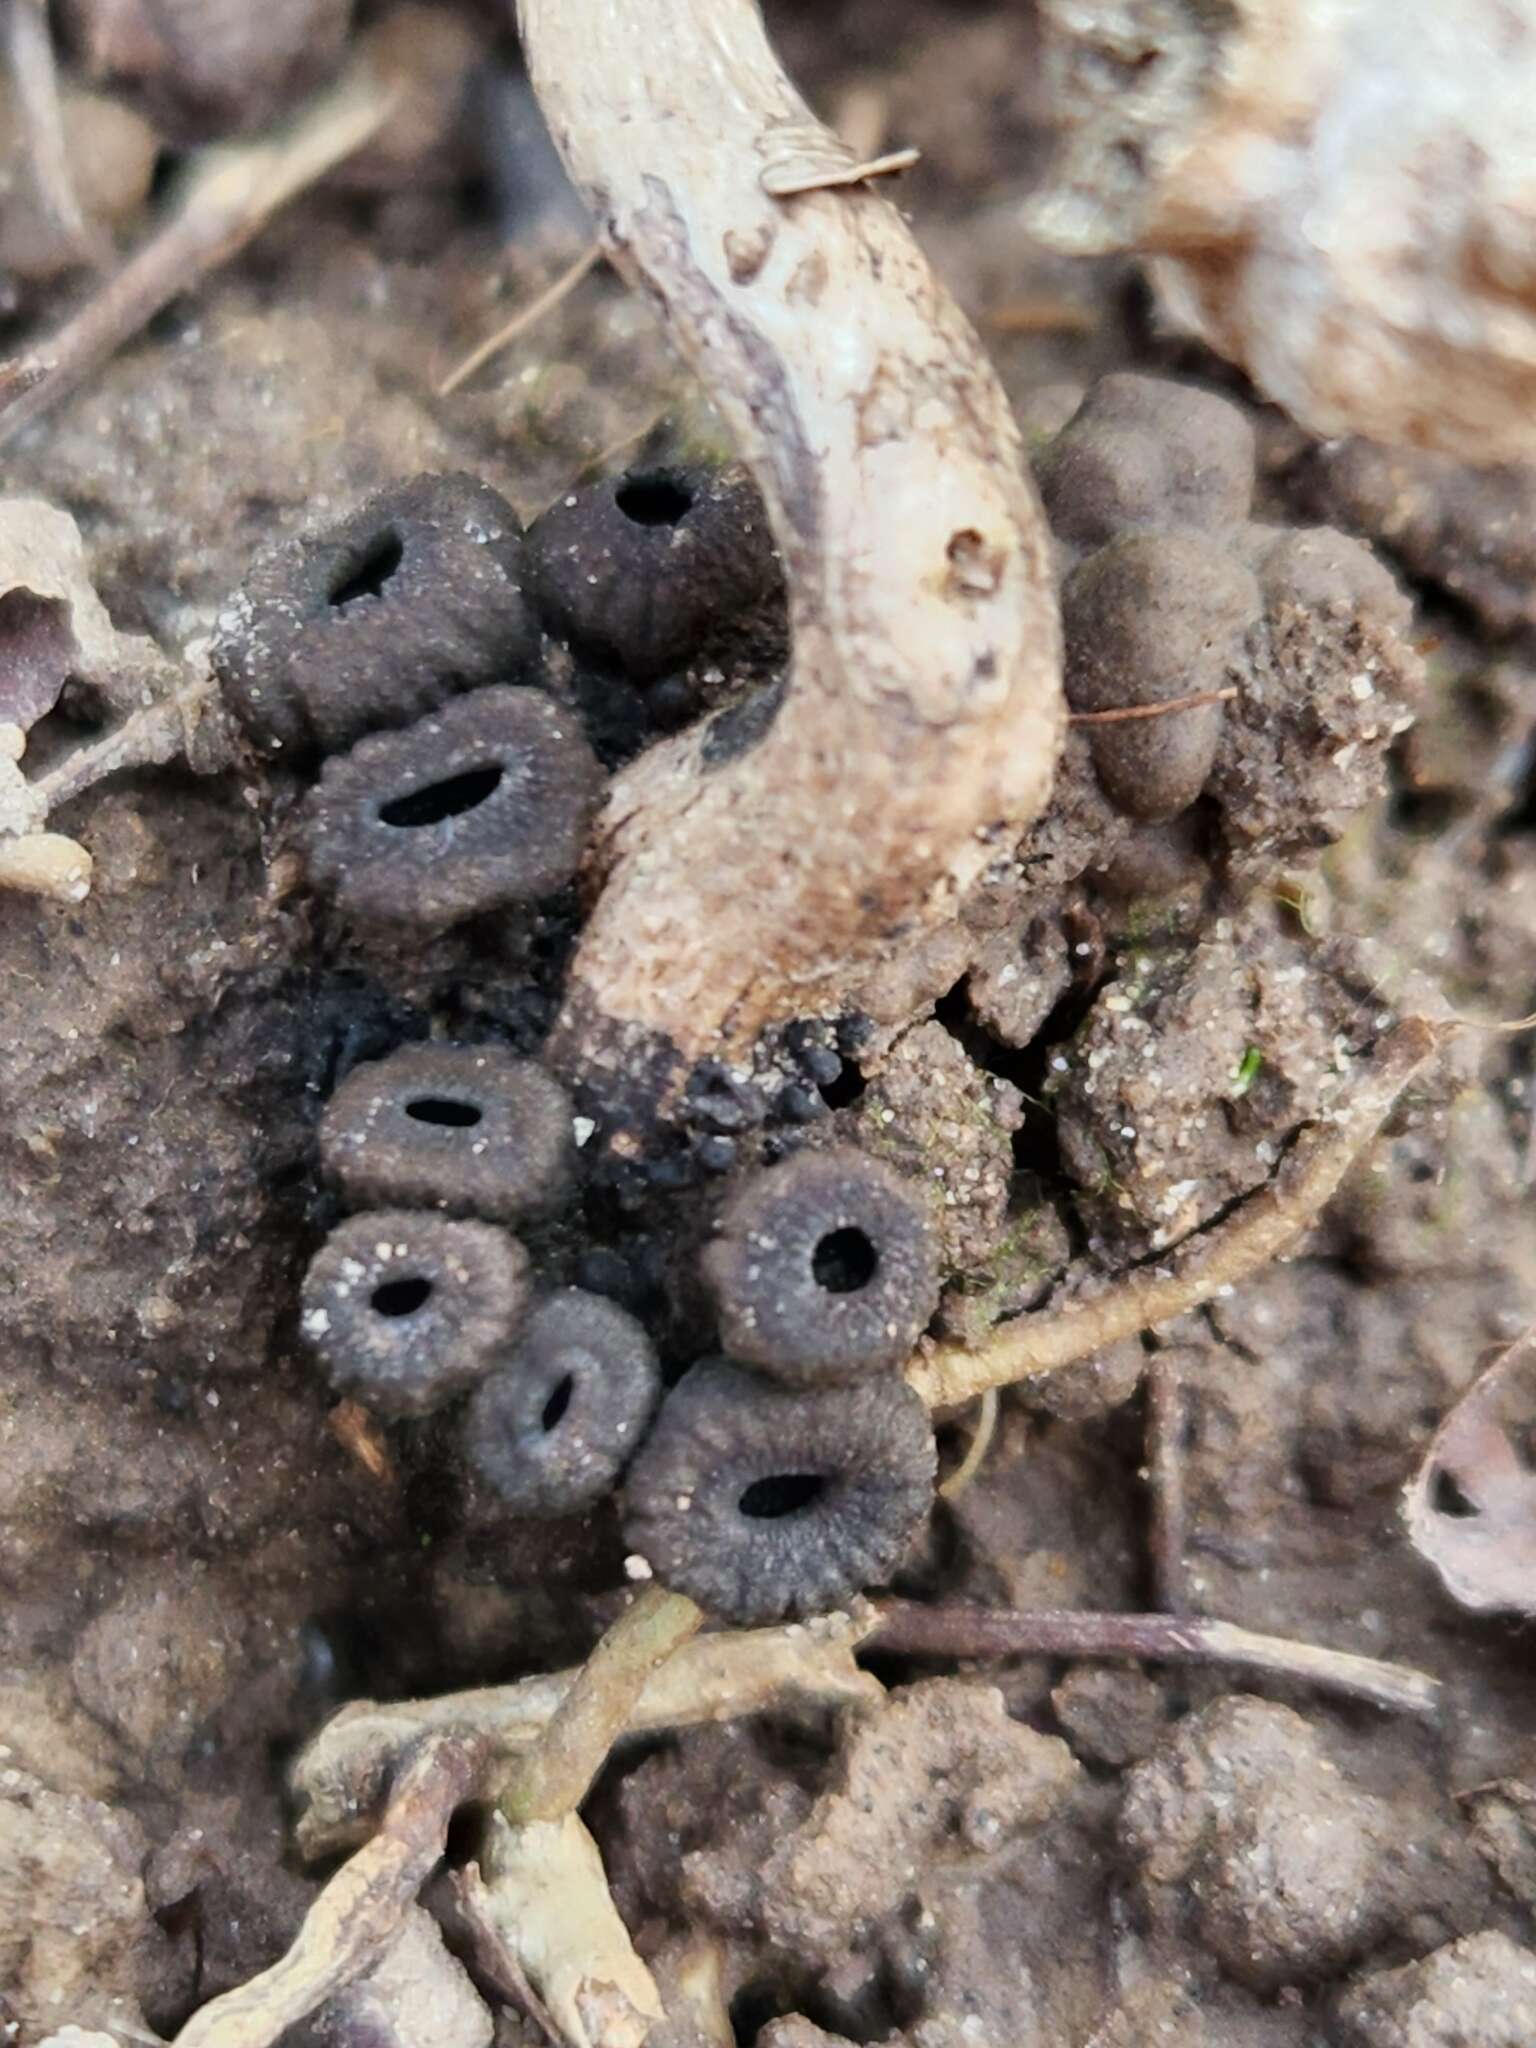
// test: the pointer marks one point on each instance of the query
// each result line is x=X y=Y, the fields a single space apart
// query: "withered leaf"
x=38 y=655
x=1471 y=1507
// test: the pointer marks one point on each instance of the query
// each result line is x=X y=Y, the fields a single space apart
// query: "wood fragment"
x=46 y=864
x=523 y=320
x=490 y=1954
x=234 y=190
x=363 y=1440
x=923 y=711
x=1256 y=1231
x=960 y=1630
x=352 y=1924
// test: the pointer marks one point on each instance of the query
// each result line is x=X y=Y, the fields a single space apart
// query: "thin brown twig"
x=527 y=317
x=235 y=190
x=1258 y=1230
x=554 y=1777
x=1167 y=1533
x=359 y=1913
x=960 y=1630
x=1123 y=714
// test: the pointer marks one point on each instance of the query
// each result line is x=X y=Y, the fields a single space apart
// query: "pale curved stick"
x=920 y=727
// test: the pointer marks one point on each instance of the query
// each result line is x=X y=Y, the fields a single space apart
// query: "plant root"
x=1256 y=1231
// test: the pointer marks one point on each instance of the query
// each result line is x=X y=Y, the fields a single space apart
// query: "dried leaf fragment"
x=1471 y=1508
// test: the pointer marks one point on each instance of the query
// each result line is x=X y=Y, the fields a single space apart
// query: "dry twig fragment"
x=522 y=320
x=1258 y=1230
x=356 y=1919
x=922 y=717
x=342 y=1773
x=554 y=1778
x=1471 y=1507
x=959 y=1630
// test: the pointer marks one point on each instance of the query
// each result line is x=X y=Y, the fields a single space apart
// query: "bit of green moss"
x=1247 y=1072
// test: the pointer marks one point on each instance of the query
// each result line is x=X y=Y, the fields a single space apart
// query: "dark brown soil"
x=195 y=1571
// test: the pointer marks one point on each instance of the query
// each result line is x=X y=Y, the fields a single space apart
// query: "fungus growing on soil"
x=636 y=571
x=469 y=1129
x=824 y=1267
x=379 y=618
x=406 y=1309
x=762 y=1502
x=483 y=803
x=555 y=1423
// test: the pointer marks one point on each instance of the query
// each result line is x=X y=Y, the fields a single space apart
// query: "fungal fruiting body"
x=370 y=622
x=470 y=1129
x=405 y=1309
x=763 y=1502
x=482 y=803
x=823 y=1268
x=567 y=1406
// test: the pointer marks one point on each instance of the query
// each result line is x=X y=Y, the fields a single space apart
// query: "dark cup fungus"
x=823 y=1267
x=470 y=1129
x=406 y=1310
x=762 y=1503
x=485 y=802
x=374 y=621
x=637 y=571
x=554 y=1425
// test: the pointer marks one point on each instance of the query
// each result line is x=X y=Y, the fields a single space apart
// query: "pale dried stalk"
x=355 y=1920
x=921 y=723
x=1258 y=1230
x=342 y=1774
x=555 y=1777
x=546 y=1897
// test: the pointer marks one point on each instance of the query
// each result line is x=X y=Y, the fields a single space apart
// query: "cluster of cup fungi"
x=407 y=662
x=395 y=658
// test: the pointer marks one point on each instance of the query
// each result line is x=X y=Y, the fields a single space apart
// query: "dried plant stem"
x=553 y=1779
x=353 y=1922
x=525 y=318
x=1167 y=1534
x=235 y=190
x=984 y=1428
x=342 y=1774
x=158 y=732
x=1258 y=1230
x=966 y=1631
x=923 y=709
